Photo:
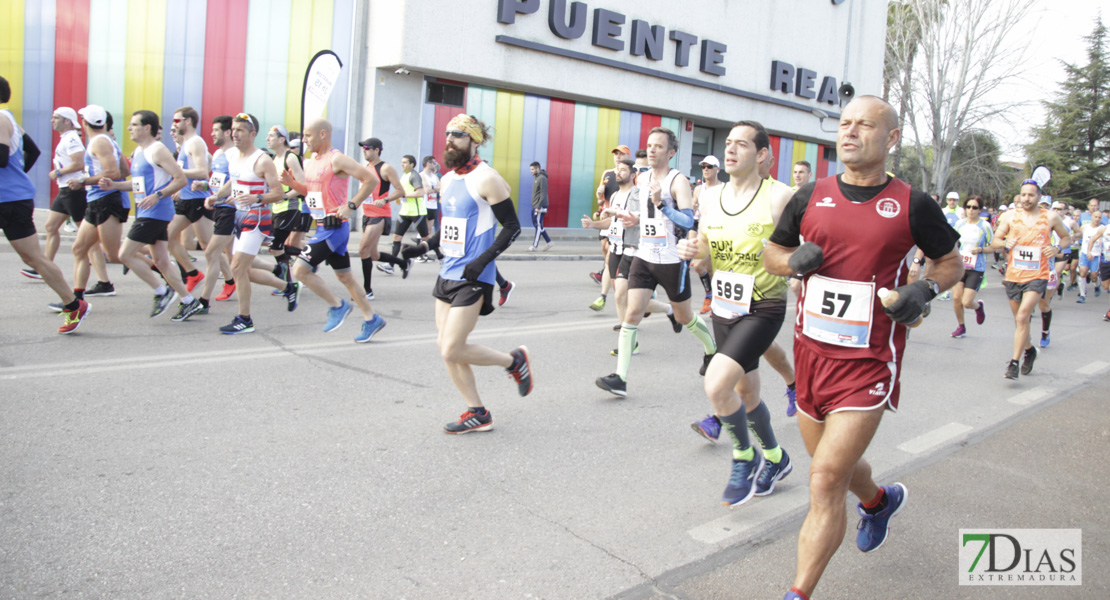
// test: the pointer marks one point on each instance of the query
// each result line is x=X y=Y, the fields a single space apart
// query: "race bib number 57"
x=838 y=312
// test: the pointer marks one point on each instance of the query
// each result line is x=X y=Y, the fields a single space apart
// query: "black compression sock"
x=1046 y=321
x=73 y=305
x=204 y=302
x=367 y=274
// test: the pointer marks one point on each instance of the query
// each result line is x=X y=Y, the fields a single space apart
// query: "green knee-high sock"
x=626 y=342
x=736 y=425
x=759 y=423
x=701 y=331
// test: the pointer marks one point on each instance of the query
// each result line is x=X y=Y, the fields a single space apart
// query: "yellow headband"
x=468 y=124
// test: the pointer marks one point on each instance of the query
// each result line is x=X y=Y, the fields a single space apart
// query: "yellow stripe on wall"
x=11 y=53
x=146 y=45
x=509 y=131
x=608 y=136
x=310 y=32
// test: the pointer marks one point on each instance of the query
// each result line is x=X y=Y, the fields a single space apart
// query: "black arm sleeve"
x=4 y=150
x=788 y=232
x=31 y=152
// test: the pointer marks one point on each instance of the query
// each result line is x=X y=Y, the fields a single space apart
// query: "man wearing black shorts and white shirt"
x=666 y=215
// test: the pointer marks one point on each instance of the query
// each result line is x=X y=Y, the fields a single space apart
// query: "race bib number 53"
x=838 y=312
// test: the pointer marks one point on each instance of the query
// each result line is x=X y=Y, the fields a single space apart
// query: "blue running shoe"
x=709 y=427
x=791 y=402
x=792 y=595
x=873 y=529
x=772 y=474
x=369 y=328
x=1081 y=300
x=336 y=315
x=741 y=484
x=1046 y=339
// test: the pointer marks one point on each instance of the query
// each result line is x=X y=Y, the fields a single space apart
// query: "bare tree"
x=968 y=48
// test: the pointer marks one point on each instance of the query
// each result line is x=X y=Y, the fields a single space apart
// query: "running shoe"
x=548 y=246
x=521 y=370
x=614 y=384
x=705 y=364
x=1081 y=300
x=238 y=325
x=69 y=226
x=596 y=277
x=191 y=281
x=709 y=427
x=337 y=314
x=617 y=327
x=1073 y=286
x=73 y=318
x=1027 y=362
x=505 y=293
x=1098 y=290
x=598 y=305
x=405 y=268
x=101 y=288
x=470 y=421
x=293 y=295
x=772 y=474
x=203 y=310
x=369 y=328
x=675 y=325
x=791 y=402
x=635 y=350
x=530 y=249
x=56 y=307
x=1011 y=370
x=31 y=273
x=370 y=295
x=741 y=483
x=162 y=302
x=873 y=529
x=1106 y=317
x=226 y=293
x=792 y=595
x=184 y=311
x=1045 y=339
x=707 y=305
x=384 y=268
x=960 y=332
x=423 y=258
x=980 y=313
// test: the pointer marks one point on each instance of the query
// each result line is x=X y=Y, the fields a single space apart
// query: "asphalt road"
x=148 y=459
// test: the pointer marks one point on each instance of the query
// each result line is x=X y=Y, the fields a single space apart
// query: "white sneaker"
x=385 y=268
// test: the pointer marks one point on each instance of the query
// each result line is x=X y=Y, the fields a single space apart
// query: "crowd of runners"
x=863 y=256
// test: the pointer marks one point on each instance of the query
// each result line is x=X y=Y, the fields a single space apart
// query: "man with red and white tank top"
x=848 y=347
x=327 y=172
x=377 y=217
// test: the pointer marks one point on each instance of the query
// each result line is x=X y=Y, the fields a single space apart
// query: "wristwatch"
x=933 y=286
x=158 y=194
x=917 y=261
x=351 y=205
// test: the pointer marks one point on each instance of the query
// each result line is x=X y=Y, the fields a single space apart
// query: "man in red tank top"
x=848 y=347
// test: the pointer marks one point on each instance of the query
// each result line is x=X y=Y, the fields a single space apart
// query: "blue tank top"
x=93 y=168
x=220 y=173
x=186 y=163
x=469 y=226
x=146 y=179
x=15 y=185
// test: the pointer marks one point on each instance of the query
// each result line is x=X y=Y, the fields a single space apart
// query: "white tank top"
x=241 y=171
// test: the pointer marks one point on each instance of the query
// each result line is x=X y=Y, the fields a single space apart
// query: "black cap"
x=371 y=143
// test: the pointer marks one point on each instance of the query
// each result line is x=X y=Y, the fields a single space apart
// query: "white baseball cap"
x=94 y=115
x=1003 y=207
x=952 y=195
x=711 y=161
x=67 y=113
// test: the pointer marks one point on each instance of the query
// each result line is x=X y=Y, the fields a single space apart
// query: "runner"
x=669 y=214
x=412 y=213
x=1025 y=232
x=975 y=235
x=605 y=190
x=1104 y=264
x=710 y=167
x=289 y=221
x=1090 y=251
x=189 y=211
x=223 y=216
x=858 y=228
x=1045 y=303
x=1069 y=260
x=327 y=174
x=377 y=217
x=253 y=185
x=155 y=178
x=430 y=174
x=749 y=307
x=17 y=216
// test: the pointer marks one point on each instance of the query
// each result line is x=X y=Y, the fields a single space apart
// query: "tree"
x=1074 y=142
x=967 y=49
x=976 y=168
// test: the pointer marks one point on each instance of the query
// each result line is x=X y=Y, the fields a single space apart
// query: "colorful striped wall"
x=573 y=141
x=218 y=56
x=789 y=151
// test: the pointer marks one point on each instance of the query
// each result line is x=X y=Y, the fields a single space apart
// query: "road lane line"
x=1092 y=368
x=934 y=438
x=1030 y=396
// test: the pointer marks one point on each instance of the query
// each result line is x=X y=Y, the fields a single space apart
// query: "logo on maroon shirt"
x=888 y=208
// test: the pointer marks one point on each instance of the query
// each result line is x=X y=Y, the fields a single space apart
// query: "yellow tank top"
x=283 y=204
x=736 y=233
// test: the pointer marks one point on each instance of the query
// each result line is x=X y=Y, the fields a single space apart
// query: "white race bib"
x=969 y=260
x=1026 y=258
x=216 y=182
x=452 y=239
x=615 y=233
x=138 y=187
x=838 y=312
x=732 y=294
x=315 y=202
x=653 y=233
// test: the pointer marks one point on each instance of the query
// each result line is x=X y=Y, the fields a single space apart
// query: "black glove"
x=806 y=258
x=911 y=302
x=472 y=270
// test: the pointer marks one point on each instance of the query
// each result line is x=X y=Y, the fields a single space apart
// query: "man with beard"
x=473 y=198
x=223 y=230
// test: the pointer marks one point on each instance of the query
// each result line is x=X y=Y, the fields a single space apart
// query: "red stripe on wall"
x=225 y=57
x=646 y=123
x=560 y=148
x=444 y=114
x=71 y=62
x=775 y=153
x=821 y=169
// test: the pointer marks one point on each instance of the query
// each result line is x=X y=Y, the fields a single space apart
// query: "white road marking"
x=1030 y=396
x=1092 y=368
x=756 y=513
x=934 y=438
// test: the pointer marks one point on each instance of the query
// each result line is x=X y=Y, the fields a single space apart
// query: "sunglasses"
x=972 y=207
x=457 y=134
x=178 y=120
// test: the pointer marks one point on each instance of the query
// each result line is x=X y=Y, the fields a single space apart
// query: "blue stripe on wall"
x=267 y=65
x=343 y=16
x=784 y=161
x=673 y=124
x=183 y=68
x=38 y=88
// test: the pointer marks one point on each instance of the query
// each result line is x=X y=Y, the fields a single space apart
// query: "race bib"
x=732 y=294
x=315 y=202
x=615 y=233
x=452 y=239
x=216 y=182
x=838 y=312
x=969 y=260
x=653 y=234
x=1026 y=258
x=138 y=187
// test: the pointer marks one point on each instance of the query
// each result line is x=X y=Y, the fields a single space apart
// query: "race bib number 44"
x=452 y=240
x=732 y=294
x=1026 y=258
x=838 y=312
